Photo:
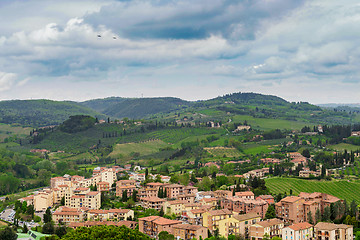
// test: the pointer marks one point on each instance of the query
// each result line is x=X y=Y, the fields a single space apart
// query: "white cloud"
x=7 y=80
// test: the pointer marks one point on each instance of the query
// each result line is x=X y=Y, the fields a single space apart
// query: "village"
x=187 y=213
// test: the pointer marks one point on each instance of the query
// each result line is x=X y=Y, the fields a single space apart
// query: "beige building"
x=174 y=207
x=173 y=190
x=68 y=215
x=290 y=209
x=152 y=203
x=298 y=231
x=238 y=224
x=153 y=225
x=189 y=232
x=330 y=231
x=212 y=218
x=271 y=227
x=110 y=215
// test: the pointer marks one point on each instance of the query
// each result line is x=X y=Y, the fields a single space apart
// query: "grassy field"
x=269 y=124
x=339 y=188
x=7 y=130
x=343 y=146
x=221 y=151
x=144 y=148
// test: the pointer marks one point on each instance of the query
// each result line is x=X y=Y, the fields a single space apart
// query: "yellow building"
x=174 y=207
x=238 y=224
x=211 y=218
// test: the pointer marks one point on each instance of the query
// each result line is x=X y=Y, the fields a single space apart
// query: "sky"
x=300 y=50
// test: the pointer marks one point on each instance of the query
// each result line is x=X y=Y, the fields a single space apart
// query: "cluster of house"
x=75 y=190
x=238 y=214
x=197 y=212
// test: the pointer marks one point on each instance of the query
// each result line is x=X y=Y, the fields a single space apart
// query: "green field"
x=343 y=146
x=340 y=188
x=269 y=124
x=7 y=130
x=144 y=148
x=221 y=151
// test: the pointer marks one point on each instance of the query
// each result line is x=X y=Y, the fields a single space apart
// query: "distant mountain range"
x=334 y=105
x=37 y=113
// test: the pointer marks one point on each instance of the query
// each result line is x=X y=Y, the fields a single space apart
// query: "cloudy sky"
x=301 y=50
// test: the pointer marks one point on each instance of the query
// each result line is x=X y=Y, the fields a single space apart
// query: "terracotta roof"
x=243 y=217
x=330 y=226
x=165 y=221
x=197 y=211
x=149 y=218
x=300 y=226
x=152 y=199
x=103 y=183
x=92 y=193
x=269 y=222
x=247 y=193
x=290 y=199
x=81 y=189
x=98 y=211
x=188 y=226
x=118 y=210
x=63 y=185
x=78 y=196
x=219 y=212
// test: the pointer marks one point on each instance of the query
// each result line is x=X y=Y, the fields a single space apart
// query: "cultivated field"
x=343 y=146
x=339 y=188
x=7 y=130
x=221 y=151
x=144 y=148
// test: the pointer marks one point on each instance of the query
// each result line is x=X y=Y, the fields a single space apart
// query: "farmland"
x=340 y=188
x=345 y=146
x=223 y=151
x=143 y=148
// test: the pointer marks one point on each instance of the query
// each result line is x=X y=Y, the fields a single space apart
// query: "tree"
x=124 y=196
x=161 y=213
x=60 y=231
x=353 y=209
x=357 y=235
x=25 y=228
x=24 y=206
x=30 y=210
x=8 y=234
x=317 y=216
x=309 y=218
x=62 y=201
x=47 y=216
x=48 y=228
x=326 y=215
x=270 y=213
x=266 y=237
x=134 y=196
x=165 y=236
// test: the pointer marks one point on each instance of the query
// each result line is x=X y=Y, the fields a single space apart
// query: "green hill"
x=340 y=188
x=37 y=113
x=142 y=107
x=101 y=104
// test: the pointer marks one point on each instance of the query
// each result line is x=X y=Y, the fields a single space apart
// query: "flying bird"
x=99 y=36
x=114 y=37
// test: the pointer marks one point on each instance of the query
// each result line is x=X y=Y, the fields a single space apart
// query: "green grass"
x=220 y=152
x=343 y=146
x=7 y=130
x=342 y=189
x=269 y=124
x=143 y=148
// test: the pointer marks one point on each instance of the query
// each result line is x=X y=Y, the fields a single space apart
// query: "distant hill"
x=37 y=113
x=101 y=104
x=334 y=105
x=142 y=107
